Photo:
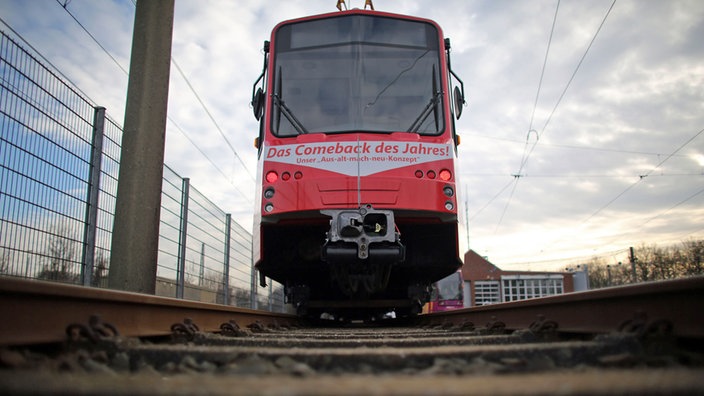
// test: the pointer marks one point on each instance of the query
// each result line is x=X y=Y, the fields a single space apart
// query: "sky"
x=583 y=132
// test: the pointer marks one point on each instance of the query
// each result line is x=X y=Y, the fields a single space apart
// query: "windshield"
x=450 y=288
x=356 y=73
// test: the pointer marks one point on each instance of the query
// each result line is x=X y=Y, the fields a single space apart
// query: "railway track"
x=652 y=344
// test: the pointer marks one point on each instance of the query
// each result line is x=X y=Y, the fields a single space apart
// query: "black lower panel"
x=293 y=255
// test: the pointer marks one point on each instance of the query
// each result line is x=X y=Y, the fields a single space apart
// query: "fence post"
x=253 y=282
x=182 y=238
x=91 y=218
x=226 y=261
x=271 y=297
x=201 y=274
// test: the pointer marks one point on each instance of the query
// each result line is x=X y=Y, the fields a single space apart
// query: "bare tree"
x=692 y=257
x=100 y=270
x=599 y=273
x=242 y=297
x=652 y=263
x=4 y=262
x=62 y=253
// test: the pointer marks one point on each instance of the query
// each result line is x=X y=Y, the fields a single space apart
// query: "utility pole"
x=632 y=258
x=135 y=238
x=608 y=274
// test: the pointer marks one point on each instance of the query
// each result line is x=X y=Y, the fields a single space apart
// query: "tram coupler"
x=353 y=231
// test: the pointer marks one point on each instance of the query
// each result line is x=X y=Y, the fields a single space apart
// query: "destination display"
x=363 y=157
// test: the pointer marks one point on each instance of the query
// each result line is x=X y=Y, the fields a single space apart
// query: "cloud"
x=634 y=101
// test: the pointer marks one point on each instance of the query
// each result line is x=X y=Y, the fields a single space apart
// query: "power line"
x=190 y=86
x=641 y=177
x=675 y=152
x=629 y=188
x=65 y=7
x=491 y=200
x=540 y=84
x=574 y=73
x=574 y=147
x=689 y=234
x=567 y=259
x=679 y=203
x=525 y=157
x=682 y=202
x=178 y=128
x=567 y=86
x=530 y=127
x=217 y=126
x=606 y=176
x=55 y=69
x=508 y=202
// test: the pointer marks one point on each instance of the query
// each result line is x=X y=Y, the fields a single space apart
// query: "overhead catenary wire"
x=491 y=200
x=178 y=128
x=65 y=7
x=525 y=157
x=641 y=177
x=210 y=115
x=562 y=260
x=574 y=73
x=540 y=85
x=586 y=176
x=630 y=187
x=48 y=62
x=689 y=234
x=573 y=147
x=188 y=83
x=528 y=172
x=675 y=206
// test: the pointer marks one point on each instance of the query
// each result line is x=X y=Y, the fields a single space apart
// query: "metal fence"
x=59 y=161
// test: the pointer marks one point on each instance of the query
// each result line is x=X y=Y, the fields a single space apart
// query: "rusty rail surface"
x=676 y=304
x=36 y=312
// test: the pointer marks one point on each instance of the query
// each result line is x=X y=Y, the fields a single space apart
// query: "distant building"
x=485 y=283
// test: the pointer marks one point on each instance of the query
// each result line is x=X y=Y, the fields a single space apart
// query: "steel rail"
x=35 y=312
x=675 y=303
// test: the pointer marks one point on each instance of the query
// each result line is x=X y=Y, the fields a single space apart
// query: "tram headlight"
x=449 y=205
x=269 y=207
x=269 y=193
x=448 y=191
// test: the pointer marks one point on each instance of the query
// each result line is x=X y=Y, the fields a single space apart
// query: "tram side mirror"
x=459 y=102
x=258 y=103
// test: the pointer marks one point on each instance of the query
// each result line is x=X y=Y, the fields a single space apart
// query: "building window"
x=486 y=292
x=521 y=287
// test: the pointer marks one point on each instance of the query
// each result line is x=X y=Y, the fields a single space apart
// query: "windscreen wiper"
x=283 y=109
x=286 y=111
x=431 y=107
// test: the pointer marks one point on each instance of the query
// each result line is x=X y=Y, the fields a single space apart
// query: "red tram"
x=447 y=294
x=358 y=212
